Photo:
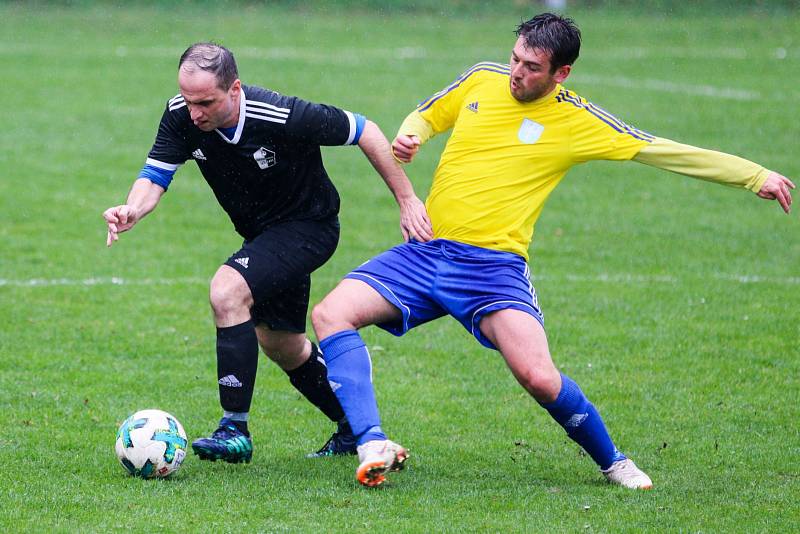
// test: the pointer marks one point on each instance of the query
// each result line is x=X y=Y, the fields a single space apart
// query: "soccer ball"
x=151 y=444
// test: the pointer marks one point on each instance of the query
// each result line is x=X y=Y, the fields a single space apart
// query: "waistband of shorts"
x=451 y=248
x=329 y=221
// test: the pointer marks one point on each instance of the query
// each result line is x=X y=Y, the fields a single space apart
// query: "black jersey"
x=271 y=169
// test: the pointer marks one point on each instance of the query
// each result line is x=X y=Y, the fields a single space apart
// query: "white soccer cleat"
x=626 y=474
x=377 y=458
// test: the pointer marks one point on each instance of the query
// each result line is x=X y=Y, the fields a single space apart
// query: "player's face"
x=209 y=106
x=530 y=72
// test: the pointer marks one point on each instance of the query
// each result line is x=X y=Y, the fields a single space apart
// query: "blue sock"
x=573 y=411
x=350 y=376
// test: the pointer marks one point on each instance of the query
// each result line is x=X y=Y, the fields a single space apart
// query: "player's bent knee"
x=543 y=385
x=328 y=320
x=229 y=293
x=225 y=301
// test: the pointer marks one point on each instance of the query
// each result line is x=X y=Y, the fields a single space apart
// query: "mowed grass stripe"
x=608 y=278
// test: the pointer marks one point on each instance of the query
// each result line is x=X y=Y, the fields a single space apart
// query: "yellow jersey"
x=505 y=157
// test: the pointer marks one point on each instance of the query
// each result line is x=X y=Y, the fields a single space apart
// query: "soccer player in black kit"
x=260 y=153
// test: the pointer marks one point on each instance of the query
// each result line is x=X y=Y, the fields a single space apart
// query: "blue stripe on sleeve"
x=361 y=121
x=158 y=176
x=491 y=67
x=565 y=96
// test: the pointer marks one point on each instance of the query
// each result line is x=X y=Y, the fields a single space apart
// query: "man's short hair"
x=212 y=58
x=557 y=35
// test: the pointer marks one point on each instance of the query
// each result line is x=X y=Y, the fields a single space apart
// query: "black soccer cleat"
x=341 y=443
x=226 y=443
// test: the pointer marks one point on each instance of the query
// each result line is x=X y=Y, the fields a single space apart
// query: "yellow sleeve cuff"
x=758 y=181
x=415 y=124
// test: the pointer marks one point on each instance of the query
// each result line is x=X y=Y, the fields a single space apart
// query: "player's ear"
x=236 y=86
x=562 y=73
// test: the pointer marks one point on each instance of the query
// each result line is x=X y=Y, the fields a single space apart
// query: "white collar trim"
x=240 y=126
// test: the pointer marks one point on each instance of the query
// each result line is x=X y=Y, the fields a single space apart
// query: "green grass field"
x=674 y=303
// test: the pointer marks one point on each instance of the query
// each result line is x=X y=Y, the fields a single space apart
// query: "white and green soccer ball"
x=151 y=444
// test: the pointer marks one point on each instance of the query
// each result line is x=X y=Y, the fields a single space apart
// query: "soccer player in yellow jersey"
x=515 y=132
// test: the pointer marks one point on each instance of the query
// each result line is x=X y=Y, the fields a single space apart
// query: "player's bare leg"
x=522 y=341
x=287 y=349
x=352 y=305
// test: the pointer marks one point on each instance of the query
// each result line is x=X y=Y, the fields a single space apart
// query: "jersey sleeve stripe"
x=265 y=118
x=595 y=110
x=176 y=102
x=619 y=126
x=493 y=67
x=361 y=122
x=609 y=116
x=157 y=176
x=357 y=123
x=352 y=120
x=162 y=165
x=262 y=111
x=487 y=66
x=268 y=106
x=644 y=136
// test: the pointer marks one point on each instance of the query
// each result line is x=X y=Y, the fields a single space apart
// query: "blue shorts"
x=428 y=280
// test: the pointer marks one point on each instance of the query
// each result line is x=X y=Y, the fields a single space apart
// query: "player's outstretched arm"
x=414 y=221
x=718 y=167
x=142 y=199
x=778 y=187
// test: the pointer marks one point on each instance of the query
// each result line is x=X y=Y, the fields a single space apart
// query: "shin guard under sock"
x=573 y=411
x=237 y=361
x=311 y=379
x=350 y=377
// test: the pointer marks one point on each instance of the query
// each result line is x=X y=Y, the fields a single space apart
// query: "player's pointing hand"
x=119 y=219
x=778 y=187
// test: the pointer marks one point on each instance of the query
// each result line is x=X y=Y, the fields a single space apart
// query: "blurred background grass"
x=673 y=302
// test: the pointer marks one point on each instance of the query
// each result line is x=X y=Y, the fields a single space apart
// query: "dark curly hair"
x=557 y=35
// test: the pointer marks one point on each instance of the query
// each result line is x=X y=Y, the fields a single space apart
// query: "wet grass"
x=674 y=303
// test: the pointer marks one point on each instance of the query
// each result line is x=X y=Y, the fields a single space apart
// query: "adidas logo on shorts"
x=242 y=261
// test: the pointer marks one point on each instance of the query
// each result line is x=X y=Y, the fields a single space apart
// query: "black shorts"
x=277 y=266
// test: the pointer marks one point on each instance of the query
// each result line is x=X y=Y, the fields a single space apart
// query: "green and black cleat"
x=226 y=443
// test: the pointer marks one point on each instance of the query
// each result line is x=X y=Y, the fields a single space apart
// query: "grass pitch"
x=674 y=303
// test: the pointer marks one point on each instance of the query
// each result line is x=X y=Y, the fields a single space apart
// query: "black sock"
x=242 y=427
x=236 y=419
x=344 y=427
x=311 y=379
x=237 y=361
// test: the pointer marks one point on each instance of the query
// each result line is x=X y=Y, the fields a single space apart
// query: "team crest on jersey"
x=530 y=131
x=264 y=157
